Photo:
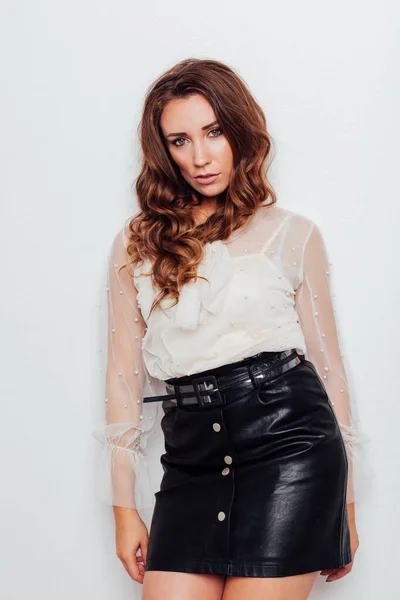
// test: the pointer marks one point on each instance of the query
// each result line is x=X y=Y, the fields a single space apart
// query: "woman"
x=257 y=493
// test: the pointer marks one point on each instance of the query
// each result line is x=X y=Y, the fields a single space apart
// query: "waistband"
x=204 y=388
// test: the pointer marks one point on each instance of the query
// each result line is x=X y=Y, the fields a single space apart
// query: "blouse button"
x=221 y=516
x=228 y=460
x=225 y=471
x=216 y=427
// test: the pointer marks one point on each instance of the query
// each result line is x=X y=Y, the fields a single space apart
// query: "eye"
x=178 y=145
x=177 y=140
x=216 y=129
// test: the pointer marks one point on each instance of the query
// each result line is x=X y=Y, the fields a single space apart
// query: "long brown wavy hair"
x=165 y=231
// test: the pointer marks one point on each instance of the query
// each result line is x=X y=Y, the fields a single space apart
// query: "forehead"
x=186 y=114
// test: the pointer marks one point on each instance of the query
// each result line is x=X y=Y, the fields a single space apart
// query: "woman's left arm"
x=317 y=318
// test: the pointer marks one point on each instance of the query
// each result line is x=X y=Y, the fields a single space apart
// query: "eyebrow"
x=184 y=132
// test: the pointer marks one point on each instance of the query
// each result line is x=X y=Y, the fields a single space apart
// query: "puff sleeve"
x=128 y=423
x=317 y=318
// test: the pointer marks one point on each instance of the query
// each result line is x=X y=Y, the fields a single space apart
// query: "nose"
x=200 y=154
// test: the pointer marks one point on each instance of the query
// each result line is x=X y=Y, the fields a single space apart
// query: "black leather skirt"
x=254 y=484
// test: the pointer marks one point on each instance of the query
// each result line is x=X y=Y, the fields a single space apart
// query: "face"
x=197 y=144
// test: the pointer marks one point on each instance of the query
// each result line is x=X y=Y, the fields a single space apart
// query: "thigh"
x=296 y=587
x=170 y=585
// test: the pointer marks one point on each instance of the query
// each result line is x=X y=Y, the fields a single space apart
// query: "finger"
x=328 y=571
x=131 y=567
x=143 y=548
x=339 y=573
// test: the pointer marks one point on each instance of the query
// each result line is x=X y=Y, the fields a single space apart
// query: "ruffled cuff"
x=123 y=477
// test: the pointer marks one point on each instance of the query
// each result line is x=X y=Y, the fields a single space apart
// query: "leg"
x=297 y=587
x=170 y=585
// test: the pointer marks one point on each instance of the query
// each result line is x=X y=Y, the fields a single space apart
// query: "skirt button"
x=225 y=471
x=216 y=427
x=228 y=460
x=221 y=516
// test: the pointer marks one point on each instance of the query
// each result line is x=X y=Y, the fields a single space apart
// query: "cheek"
x=225 y=153
x=180 y=159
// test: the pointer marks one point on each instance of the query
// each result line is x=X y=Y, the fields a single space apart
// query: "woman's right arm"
x=125 y=479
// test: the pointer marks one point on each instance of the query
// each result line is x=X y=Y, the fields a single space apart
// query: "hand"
x=334 y=574
x=131 y=535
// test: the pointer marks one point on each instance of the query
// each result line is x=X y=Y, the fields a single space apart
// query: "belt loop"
x=255 y=383
x=177 y=394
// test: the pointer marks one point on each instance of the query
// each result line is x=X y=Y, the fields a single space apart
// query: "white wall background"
x=73 y=78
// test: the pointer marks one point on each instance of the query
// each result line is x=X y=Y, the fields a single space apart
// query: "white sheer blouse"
x=268 y=290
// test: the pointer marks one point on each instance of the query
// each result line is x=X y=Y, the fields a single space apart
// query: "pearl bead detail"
x=316 y=314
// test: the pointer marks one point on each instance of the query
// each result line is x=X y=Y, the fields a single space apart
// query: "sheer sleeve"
x=124 y=471
x=317 y=318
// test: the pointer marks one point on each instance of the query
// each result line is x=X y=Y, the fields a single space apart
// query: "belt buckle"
x=207 y=396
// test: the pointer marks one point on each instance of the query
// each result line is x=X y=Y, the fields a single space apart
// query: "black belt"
x=205 y=389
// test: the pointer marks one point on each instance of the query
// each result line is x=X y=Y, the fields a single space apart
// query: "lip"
x=207 y=180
